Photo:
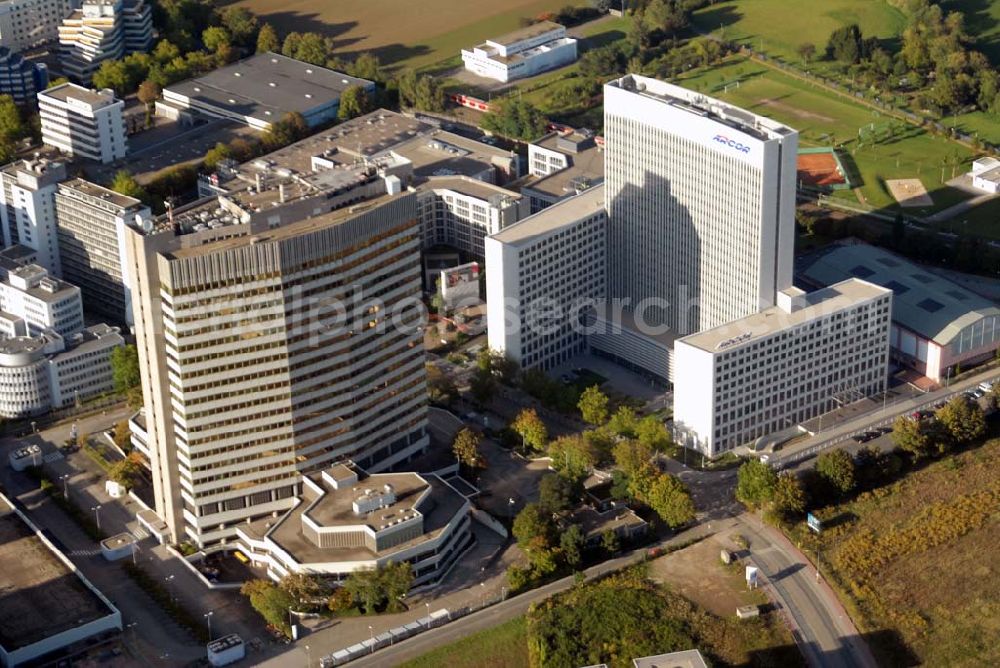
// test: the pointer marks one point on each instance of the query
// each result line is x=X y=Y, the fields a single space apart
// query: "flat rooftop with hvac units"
x=261 y=90
x=48 y=610
x=347 y=520
x=937 y=325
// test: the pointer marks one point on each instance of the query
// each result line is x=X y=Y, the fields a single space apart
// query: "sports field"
x=879 y=146
x=753 y=22
x=403 y=33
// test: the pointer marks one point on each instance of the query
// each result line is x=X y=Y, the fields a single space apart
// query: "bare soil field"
x=411 y=33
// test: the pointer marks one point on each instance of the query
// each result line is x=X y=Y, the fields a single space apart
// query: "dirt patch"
x=794 y=111
x=697 y=573
x=910 y=193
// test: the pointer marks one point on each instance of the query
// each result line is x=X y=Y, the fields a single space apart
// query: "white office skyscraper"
x=701 y=203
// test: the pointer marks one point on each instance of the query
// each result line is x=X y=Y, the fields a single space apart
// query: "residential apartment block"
x=83 y=123
x=91 y=232
x=28 y=208
x=278 y=333
x=103 y=30
x=701 y=204
x=521 y=53
x=543 y=275
x=765 y=373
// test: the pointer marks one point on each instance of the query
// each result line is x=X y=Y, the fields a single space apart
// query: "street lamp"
x=308 y=656
x=65 y=480
x=97 y=515
x=208 y=618
x=168 y=580
x=372 y=634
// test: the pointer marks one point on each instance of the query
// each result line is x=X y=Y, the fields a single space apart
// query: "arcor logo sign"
x=732 y=143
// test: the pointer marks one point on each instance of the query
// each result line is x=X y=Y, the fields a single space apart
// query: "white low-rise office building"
x=521 y=53
x=345 y=523
x=561 y=165
x=769 y=371
x=544 y=274
x=46 y=371
x=83 y=123
x=32 y=301
x=461 y=212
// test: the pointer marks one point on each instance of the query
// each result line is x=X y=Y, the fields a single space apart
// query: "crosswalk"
x=84 y=553
x=139 y=532
x=53 y=457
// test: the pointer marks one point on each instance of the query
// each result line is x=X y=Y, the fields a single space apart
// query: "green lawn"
x=504 y=646
x=778 y=27
x=983 y=221
x=980 y=123
x=823 y=117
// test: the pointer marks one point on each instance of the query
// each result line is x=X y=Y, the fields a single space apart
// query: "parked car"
x=869 y=436
x=987 y=385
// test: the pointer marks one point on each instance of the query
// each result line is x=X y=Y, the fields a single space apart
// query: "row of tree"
x=370 y=591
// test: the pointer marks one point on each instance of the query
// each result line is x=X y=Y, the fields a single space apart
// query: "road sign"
x=752 y=576
x=814 y=523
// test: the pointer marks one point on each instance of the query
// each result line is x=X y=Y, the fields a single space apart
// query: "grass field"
x=504 y=646
x=982 y=221
x=413 y=34
x=753 y=22
x=890 y=148
x=916 y=560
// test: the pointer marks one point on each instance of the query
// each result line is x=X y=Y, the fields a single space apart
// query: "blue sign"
x=732 y=143
x=814 y=523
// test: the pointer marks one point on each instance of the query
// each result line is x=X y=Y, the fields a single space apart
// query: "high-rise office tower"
x=701 y=204
x=275 y=337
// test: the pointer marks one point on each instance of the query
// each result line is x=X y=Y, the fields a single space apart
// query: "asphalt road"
x=825 y=634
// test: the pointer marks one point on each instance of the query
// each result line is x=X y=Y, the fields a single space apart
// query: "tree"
x=440 y=386
x=340 y=600
x=304 y=589
x=651 y=432
x=788 y=499
x=125 y=184
x=354 y=102
x=466 y=448
x=531 y=429
x=806 y=51
x=573 y=456
x=667 y=16
x=123 y=436
x=126 y=471
x=610 y=542
x=755 y=483
x=396 y=579
x=837 y=468
x=125 y=368
x=216 y=37
x=366 y=66
x=670 y=499
x=365 y=588
x=633 y=457
x=12 y=127
x=593 y=405
x=114 y=74
x=483 y=386
x=241 y=24
x=845 y=44
x=270 y=601
x=533 y=528
x=571 y=543
x=910 y=435
x=515 y=118
x=267 y=39
x=624 y=422
x=215 y=155
x=555 y=493
x=148 y=94
x=962 y=419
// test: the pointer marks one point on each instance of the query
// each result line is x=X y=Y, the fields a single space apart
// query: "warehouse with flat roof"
x=261 y=90
x=937 y=325
x=48 y=610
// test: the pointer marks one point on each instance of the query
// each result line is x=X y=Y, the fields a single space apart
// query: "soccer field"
x=403 y=33
x=880 y=147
